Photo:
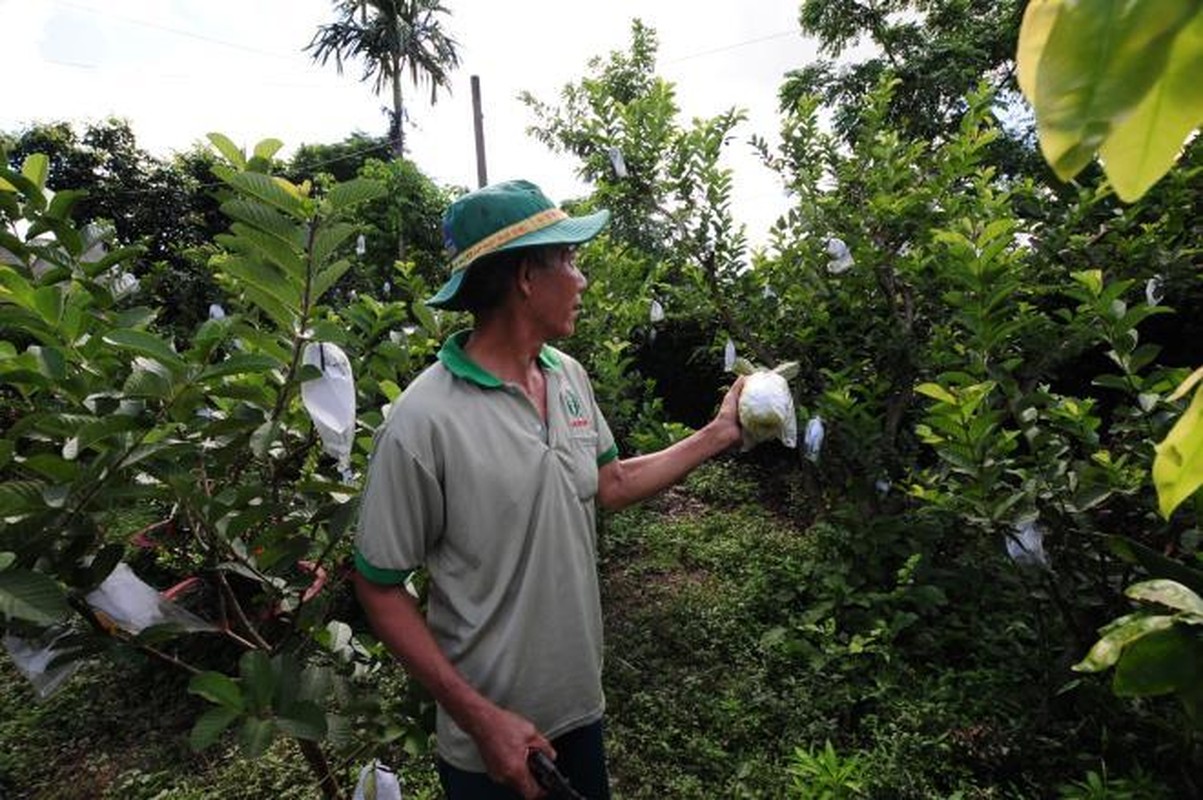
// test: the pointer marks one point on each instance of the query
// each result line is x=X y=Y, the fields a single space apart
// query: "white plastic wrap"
x=377 y=782
x=32 y=659
x=1026 y=545
x=330 y=399
x=134 y=605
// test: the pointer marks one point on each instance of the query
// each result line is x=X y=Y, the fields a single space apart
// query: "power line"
x=177 y=31
x=733 y=46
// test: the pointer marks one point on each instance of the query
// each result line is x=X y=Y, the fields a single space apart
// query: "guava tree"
x=198 y=461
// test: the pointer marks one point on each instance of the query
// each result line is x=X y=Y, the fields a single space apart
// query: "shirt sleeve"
x=400 y=513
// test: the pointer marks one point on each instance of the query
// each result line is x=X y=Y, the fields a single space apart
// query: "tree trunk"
x=398 y=143
x=316 y=759
x=398 y=133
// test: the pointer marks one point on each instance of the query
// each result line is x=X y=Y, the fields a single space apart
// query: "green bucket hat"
x=502 y=217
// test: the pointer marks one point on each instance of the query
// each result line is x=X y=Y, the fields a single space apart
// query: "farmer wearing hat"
x=486 y=473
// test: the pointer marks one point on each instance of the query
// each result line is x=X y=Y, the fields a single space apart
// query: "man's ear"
x=525 y=276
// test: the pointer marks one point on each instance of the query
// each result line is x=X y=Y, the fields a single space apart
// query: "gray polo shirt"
x=466 y=480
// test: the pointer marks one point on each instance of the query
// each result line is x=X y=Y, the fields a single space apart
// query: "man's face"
x=557 y=285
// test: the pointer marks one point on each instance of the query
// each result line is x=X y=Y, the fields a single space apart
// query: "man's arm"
x=504 y=738
x=621 y=483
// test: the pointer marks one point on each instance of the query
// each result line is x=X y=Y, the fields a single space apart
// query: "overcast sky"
x=178 y=69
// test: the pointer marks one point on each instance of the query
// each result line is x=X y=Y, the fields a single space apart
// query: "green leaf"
x=98 y=431
x=1178 y=465
x=327 y=278
x=144 y=344
x=31 y=597
x=148 y=383
x=266 y=278
x=7 y=560
x=426 y=318
x=1117 y=636
x=18 y=497
x=267 y=148
x=1145 y=144
x=263 y=438
x=327 y=240
x=232 y=152
x=271 y=248
x=49 y=361
x=283 y=314
x=218 y=688
x=210 y=725
x=354 y=191
x=264 y=218
x=48 y=302
x=303 y=720
x=390 y=390
x=258 y=679
x=1168 y=593
x=256 y=736
x=62 y=203
x=240 y=364
x=1164 y=661
x=315 y=684
x=36 y=168
x=276 y=192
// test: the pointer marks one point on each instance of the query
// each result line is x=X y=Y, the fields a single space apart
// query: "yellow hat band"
x=498 y=239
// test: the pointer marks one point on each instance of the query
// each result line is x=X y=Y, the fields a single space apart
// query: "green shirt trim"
x=608 y=456
x=385 y=577
x=453 y=357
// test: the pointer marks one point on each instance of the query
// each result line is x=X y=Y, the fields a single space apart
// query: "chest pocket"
x=581 y=462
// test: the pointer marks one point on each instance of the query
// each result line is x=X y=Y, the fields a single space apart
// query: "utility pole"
x=482 y=175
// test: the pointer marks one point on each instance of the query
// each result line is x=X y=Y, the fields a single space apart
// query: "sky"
x=178 y=69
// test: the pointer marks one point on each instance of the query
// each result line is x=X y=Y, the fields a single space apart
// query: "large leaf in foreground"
x=1178 y=466
x=31 y=597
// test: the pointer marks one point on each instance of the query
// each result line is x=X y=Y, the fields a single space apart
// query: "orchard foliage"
x=999 y=362
x=202 y=439
x=974 y=340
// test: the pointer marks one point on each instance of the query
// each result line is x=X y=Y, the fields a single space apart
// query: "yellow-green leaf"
x=1038 y=21
x=1143 y=146
x=936 y=392
x=36 y=167
x=1168 y=593
x=1178 y=465
x=1092 y=279
x=1118 y=635
x=227 y=148
x=1187 y=385
x=1096 y=64
x=268 y=148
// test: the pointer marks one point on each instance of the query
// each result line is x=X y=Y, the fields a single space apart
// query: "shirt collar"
x=457 y=362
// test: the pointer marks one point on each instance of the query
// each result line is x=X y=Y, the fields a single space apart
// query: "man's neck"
x=506 y=348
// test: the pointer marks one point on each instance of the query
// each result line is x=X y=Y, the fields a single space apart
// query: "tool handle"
x=550 y=778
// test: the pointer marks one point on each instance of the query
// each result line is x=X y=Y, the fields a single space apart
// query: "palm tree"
x=390 y=36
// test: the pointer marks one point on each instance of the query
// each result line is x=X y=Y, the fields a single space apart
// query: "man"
x=486 y=474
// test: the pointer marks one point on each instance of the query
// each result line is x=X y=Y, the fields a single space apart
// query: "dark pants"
x=580 y=756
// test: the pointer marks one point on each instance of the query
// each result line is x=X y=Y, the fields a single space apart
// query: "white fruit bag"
x=330 y=399
x=377 y=782
x=766 y=405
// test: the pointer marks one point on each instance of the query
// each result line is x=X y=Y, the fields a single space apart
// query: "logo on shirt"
x=574 y=408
